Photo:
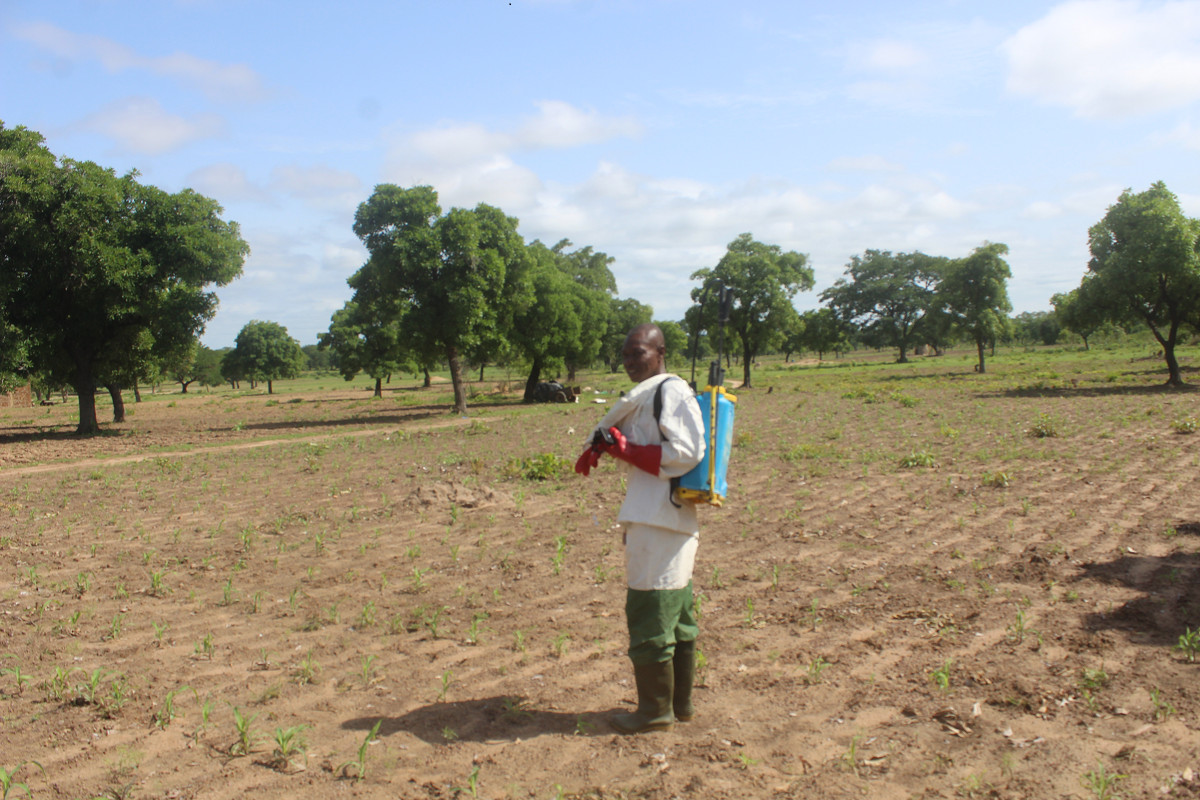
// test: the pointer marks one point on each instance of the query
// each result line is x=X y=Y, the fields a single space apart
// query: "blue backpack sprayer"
x=706 y=482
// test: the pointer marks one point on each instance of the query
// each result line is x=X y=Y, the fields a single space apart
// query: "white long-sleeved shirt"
x=680 y=431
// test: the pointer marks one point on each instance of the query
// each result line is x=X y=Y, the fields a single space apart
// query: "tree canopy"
x=887 y=295
x=1078 y=313
x=565 y=320
x=764 y=280
x=1145 y=267
x=822 y=331
x=94 y=263
x=264 y=351
x=624 y=314
x=461 y=275
x=974 y=295
x=365 y=335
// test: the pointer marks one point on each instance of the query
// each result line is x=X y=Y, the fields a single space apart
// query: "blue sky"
x=655 y=131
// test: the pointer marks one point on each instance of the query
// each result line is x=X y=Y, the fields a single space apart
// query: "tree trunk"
x=118 y=402
x=379 y=387
x=460 y=396
x=535 y=372
x=137 y=394
x=428 y=379
x=979 y=344
x=85 y=387
x=184 y=384
x=482 y=364
x=270 y=386
x=571 y=369
x=1085 y=342
x=1174 y=376
x=747 y=358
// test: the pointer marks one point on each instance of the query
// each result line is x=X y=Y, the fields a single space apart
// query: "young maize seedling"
x=359 y=764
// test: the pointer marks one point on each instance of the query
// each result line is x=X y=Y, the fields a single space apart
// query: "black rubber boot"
x=655 y=687
x=684 y=664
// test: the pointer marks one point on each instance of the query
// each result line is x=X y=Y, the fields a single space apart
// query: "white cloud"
x=343 y=259
x=886 y=55
x=1109 y=58
x=217 y=81
x=871 y=163
x=297 y=280
x=141 y=125
x=225 y=182
x=1183 y=134
x=558 y=125
x=661 y=228
x=713 y=99
x=922 y=66
x=562 y=125
x=319 y=186
x=469 y=163
x=1042 y=209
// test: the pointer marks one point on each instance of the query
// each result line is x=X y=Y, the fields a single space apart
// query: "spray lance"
x=707 y=481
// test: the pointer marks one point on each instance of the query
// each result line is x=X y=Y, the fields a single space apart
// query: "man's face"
x=642 y=360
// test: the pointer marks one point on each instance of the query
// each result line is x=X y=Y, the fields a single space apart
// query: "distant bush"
x=1045 y=428
x=541 y=467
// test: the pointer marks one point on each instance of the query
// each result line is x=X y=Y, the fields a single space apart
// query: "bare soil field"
x=926 y=583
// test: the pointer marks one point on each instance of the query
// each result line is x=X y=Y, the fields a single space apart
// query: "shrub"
x=541 y=467
x=1185 y=425
x=1046 y=427
x=918 y=458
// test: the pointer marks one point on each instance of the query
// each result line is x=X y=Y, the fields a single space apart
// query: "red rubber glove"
x=646 y=457
x=589 y=459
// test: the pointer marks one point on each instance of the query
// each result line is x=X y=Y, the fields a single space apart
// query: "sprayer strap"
x=658 y=420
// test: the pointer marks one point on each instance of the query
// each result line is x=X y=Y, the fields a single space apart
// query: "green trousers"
x=657 y=620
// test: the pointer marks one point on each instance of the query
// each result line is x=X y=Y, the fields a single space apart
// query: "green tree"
x=792 y=340
x=263 y=351
x=676 y=341
x=1078 y=314
x=366 y=337
x=318 y=359
x=91 y=259
x=15 y=366
x=1036 y=327
x=887 y=295
x=1145 y=267
x=587 y=267
x=624 y=315
x=597 y=287
x=232 y=369
x=764 y=280
x=208 y=366
x=823 y=332
x=974 y=294
x=461 y=275
x=180 y=365
x=551 y=324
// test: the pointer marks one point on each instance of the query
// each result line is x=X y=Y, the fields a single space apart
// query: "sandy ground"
x=1000 y=618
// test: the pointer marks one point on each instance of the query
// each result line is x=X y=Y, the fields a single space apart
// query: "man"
x=661 y=535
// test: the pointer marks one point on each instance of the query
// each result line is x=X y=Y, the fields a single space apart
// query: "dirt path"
x=105 y=462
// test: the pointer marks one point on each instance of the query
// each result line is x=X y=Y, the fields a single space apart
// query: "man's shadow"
x=1169 y=602
x=487 y=719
